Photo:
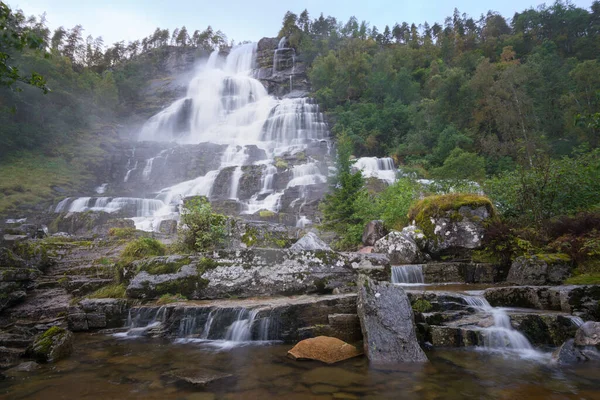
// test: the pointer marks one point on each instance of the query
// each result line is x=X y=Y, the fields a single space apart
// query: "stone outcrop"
x=582 y=300
x=569 y=354
x=387 y=323
x=254 y=272
x=54 y=344
x=540 y=269
x=452 y=224
x=16 y=277
x=97 y=314
x=310 y=241
x=323 y=348
x=401 y=247
x=373 y=231
x=444 y=272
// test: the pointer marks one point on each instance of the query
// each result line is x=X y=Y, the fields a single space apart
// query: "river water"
x=105 y=367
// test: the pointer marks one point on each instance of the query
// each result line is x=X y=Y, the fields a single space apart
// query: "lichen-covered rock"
x=97 y=314
x=452 y=224
x=387 y=323
x=401 y=247
x=374 y=230
x=588 y=334
x=569 y=353
x=168 y=227
x=310 y=241
x=186 y=281
x=541 y=269
x=54 y=344
x=323 y=348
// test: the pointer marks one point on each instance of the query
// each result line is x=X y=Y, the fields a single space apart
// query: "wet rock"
x=322 y=348
x=310 y=241
x=387 y=323
x=460 y=272
x=569 y=354
x=373 y=231
x=147 y=286
x=539 y=270
x=168 y=227
x=262 y=234
x=400 y=247
x=199 y=376
x=333 y=376
x=588 y=334
x=27 y=366
x=54 y=344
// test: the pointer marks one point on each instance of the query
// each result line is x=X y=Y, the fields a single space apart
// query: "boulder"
x=452 y=224
x=54 y=344
x=401 y=247
x=387 y=323
x=310 y=241
x=323 y=348
x=588 y=334
x=541 y=269
x=373 y=231
x=569 y=353
x=168 y=227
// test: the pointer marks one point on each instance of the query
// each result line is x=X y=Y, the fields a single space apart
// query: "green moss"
x=445 y=206
x=422 y=306
x=266 y=214
x=141 y=248
x=250 y=237
x=170 y=298
x=114 y=291
x=122 y=233
x=553 y=258
x=280 y=163
x=44 y=343
x=584 y=279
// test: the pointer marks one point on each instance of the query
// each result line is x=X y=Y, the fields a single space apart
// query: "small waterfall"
x=408 y=274
x=62 y=205
x=227 y=326
x=306 y=174
x=148 y=169
x=80 y=205
x=271 y=202
x=267 y=179
x=101 y=189
x=303 y=222
x=577 y=321
x=501 y=336
x=235 y=183
x=380 y=168
x=129 y=171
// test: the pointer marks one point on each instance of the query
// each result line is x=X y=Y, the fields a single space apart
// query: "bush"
x=395 y=201
x=141 y=248
x=201 y=229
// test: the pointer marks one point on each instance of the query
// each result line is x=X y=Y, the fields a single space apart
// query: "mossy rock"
x=54 y=344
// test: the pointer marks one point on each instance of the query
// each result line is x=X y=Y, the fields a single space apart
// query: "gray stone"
x=310 y=241
x=569 y=354
x=96 y=321
x=199 y=376
x=538 y=271
x=373 y=231
x=54 y=344
x=387 y=323
x=77 y=322
x=400 y=247
x=168 y=227
x=588 y=334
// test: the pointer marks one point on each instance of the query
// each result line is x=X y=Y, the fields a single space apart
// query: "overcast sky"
x=127 y=20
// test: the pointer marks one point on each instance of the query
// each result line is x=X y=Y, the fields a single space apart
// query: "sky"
x=241 y=20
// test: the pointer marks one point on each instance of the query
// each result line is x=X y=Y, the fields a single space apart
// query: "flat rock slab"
x=199 y=376
x=324 y=348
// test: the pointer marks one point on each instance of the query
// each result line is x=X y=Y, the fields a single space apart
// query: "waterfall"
x=500 y=336
x=101 y=189
x=227 y=326
x=225 y=104
x=408 y=274
x=380 y=168
x=235 y=183
x=303 y=222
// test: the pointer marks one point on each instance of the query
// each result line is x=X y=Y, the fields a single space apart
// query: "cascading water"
x=380 y=168
x=226 y=105
x=408 y=274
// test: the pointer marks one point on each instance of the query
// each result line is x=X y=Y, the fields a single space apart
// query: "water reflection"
x=104 y=367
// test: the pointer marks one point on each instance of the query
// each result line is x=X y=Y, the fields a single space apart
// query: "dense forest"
x=510 y=106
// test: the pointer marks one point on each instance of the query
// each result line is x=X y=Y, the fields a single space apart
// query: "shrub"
x=422 y=306
x=141 y=248
x=122 y=233
x=201 y=229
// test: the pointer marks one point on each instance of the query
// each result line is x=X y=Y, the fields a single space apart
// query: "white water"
x=502 y=337
x=408 y=274
x=225 y=104
x=380 y=168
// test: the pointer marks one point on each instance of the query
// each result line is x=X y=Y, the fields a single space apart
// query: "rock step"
x=41 y=304
x=14 y=340
x=10 y=356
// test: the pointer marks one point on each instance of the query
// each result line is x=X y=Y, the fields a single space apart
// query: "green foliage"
x=17 y=35
x=142 y=248
x=114 y=291
x=461 y=165
x=170 y=298
x=122 y=233
x=422 y=306
x=201 y=229
x=395 y=202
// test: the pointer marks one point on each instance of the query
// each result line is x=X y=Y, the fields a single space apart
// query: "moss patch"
x=422 y=306
x=553 y=258
x=445 y=206
x=584 y=279
x=141 y=248
x=112 y=291
x=170 y=298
